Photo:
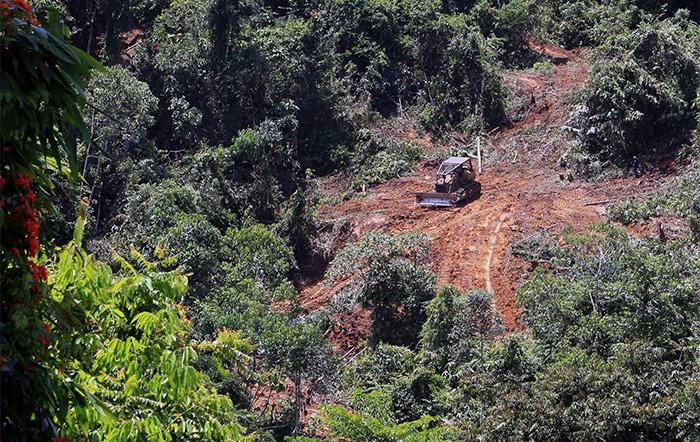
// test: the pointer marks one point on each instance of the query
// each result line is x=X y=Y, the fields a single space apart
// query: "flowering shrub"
x=22 y=228
x=40 y=98
x=18 y=9
x=27 y=336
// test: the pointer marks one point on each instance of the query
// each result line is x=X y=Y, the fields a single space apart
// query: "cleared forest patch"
x=523 y=193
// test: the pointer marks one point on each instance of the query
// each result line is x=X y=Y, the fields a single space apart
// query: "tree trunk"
x=297 y=405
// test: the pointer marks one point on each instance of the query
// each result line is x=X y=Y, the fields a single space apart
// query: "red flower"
x=38 y=272
x=30 y=224
x=33 y=246
x=2 y=180
x=24 y=8
x=24 y=5
x=44 y=340
x=23 y=180
x=26 y=217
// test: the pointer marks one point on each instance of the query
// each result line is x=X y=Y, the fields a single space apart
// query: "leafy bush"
x=511 y=25
x=571 y=23
x=390 y=279
x=694 y=218
x=150 y=209
x=392 y=161
x=582 y=396
x=399 y=407
x=183 y=36
x=457 y=327
x=123 y=110
x=639 y=97
x=539 y=246
x=260 y=256
x=463 y=90
x=588 y=23
x=131 y=362
x=616 y=289
x=395 y=55
x=198 y=247
x=679 y=198
x=301 y=353
x=248 y=178
x=346 y=425
x=382 y=365
x=418 y=394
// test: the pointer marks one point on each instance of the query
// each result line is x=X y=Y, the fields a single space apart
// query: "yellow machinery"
x=455 y=184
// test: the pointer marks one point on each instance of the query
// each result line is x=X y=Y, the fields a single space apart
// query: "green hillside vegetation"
x=159 y=171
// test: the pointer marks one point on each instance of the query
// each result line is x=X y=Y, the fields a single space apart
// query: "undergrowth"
x=681 y=198
x=393 y=162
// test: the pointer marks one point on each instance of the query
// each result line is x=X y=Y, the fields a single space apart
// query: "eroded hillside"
x=525 y=190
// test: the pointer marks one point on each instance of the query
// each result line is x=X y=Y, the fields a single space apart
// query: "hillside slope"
x=522 y=193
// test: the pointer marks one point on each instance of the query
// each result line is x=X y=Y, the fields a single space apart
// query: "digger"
x=455 y=184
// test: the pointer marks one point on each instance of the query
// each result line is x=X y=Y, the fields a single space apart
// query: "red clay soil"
x=555 y=54
x=129 y=40
x=470 y=245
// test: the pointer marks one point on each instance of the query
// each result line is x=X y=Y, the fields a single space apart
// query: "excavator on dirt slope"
x=456 y=183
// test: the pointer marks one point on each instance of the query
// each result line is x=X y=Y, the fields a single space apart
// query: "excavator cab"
x=455 y=184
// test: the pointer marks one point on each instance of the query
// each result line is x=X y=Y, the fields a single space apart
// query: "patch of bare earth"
x=521 y=193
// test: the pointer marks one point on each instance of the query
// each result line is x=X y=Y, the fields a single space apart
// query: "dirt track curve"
x=521 y=193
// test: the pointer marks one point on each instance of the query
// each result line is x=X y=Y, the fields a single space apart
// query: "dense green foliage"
x=610 y=353
x=383 y=159
x=129 y=354
x=391 y=279
x=42 y=92
x=641 y=96
x=374 y=421
x=196 y=152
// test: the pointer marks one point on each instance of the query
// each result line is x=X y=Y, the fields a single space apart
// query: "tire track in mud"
x=469 y=245
x=489 y=255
